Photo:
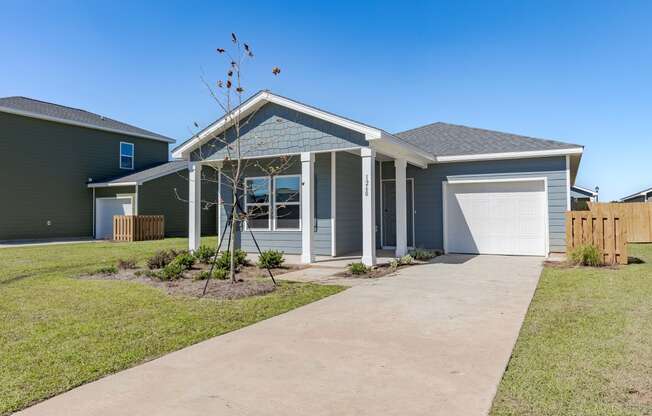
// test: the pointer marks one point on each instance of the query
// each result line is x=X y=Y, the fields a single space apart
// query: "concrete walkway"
x=433 y=340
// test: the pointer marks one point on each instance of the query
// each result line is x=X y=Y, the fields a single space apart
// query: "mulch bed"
x=376 y=271
x=252 y=281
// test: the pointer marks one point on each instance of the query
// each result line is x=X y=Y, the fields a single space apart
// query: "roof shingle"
x=75 y=116
x=443 y=139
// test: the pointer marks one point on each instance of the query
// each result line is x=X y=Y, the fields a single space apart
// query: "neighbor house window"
x=287 y=202
x=257 y=202
x=126 y=155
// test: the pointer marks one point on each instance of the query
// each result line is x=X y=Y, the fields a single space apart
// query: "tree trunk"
x=234 y=224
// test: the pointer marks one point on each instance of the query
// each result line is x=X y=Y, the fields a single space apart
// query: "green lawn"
x=57 y=332
x=586 y=345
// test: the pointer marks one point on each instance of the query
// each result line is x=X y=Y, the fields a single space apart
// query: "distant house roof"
x=54 y=112
x=143 y=176
x=642 y=193
x=583 y=190
x=443 y=139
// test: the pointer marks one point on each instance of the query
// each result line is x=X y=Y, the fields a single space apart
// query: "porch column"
x=194 y=205
x=401 y=208
x=307 y=207
x=368 y=206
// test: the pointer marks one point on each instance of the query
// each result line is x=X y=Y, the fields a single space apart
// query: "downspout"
x=93 y=220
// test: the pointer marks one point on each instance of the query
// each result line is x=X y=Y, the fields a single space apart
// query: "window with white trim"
x=287 y=202
x=126 y=155
x=257 y=202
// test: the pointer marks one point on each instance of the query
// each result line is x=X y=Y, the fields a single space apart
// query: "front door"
x=389 y=213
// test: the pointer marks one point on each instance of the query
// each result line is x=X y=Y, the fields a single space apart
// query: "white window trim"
x=269 y=202
x=287 y=203
x=132 y=156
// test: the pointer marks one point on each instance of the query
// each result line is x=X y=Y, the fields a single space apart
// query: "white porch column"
x=368 y=206
x=401 y=208
x=307 y=207
x=194 y=205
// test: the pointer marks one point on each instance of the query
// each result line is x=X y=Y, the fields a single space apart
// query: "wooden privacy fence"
x=138 y=227
x=637 y=218
x=605 y=231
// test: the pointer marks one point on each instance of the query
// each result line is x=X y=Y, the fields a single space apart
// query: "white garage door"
x=496 y=218
x=106 y=208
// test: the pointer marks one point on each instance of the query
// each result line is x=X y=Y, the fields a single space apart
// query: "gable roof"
x=138 y=178
x=446 y=140
x=637 y=194
x=437 y=142
x=58 y=113
x=584 y=191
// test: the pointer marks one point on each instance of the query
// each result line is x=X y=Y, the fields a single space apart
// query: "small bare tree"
x=228 y=92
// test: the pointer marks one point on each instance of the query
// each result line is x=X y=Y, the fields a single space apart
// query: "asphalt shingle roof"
x=74 y=115
x=147 y=174
x=443 y=139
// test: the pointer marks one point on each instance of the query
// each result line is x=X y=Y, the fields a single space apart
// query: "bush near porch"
x=585 y=347
x=58 y=332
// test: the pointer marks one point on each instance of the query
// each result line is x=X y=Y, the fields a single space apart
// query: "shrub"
x=423 y=254
x=161 y=259
x=219 y=274
x=106 y=270
x=205 y=254
x=394 y=264
x=358 y=268
x=185 y=259
x=587 y=255
x=126 y=264
x=271 y=259
x=224 y=260
x=172 y=271
x=405 y=260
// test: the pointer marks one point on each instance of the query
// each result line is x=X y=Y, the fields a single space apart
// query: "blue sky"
x=569 y=70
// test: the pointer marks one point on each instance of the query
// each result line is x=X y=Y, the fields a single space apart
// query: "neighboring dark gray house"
x=360 y=188
x=49 y=154
x=581 y=196
x=642 y=196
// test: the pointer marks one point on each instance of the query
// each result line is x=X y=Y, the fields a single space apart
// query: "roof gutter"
x=509 y=155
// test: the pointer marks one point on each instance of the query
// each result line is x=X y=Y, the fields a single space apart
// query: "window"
x=126 y=155
x=287 y=202
x=284 y=208
x=257 y=202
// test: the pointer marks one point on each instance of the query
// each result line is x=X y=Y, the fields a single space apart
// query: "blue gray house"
x=360 y=188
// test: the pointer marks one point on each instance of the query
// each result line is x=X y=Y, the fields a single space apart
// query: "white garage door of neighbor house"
x=106 y=208
x=496 y=218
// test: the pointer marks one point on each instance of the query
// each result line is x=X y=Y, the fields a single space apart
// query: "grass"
x=586 y=344
x=58 y=332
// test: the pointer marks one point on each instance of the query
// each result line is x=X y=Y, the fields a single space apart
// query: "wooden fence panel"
x=606 y=231
x=637 y=218
x=138 y=227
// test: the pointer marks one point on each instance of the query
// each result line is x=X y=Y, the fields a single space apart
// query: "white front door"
x=106 y=208
x=496 y=218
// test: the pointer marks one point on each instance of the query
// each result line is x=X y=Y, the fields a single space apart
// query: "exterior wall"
x=288 y=241
x=276 y=130
x=428 y=193
x=348 y=203
x=158 y=197
x=46 y=167
x=640 y=198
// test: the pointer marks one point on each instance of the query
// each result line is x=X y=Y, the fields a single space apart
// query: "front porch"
x=349 y=209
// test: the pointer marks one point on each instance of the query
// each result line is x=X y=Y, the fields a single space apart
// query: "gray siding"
x=348 y=203
x=158 y=197
x=288 y=241
x=46 y=167
x=428 y=193
x=276 y=130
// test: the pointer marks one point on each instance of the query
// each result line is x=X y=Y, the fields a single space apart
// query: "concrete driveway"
x=433 y=340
